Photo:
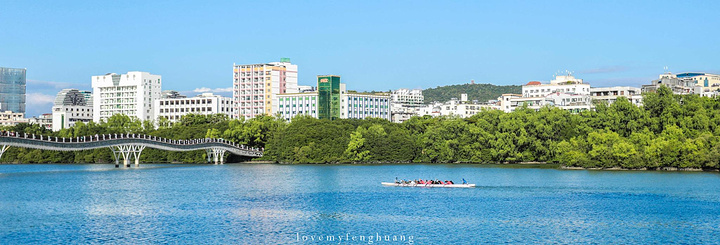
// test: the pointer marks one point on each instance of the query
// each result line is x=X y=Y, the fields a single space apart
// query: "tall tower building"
x=12 y=89
x=256 y=85
x=132 y=94
x=328 y=97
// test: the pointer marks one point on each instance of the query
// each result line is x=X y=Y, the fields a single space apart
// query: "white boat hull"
x=429 y=185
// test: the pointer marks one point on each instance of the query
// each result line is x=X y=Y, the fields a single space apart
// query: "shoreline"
x=516 y=164
x=662 y=169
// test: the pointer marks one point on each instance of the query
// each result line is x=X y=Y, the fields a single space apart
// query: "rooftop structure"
x=71 y=106
x=171 y=94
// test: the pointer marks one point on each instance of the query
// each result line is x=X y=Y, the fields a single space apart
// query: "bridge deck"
x=102 y=141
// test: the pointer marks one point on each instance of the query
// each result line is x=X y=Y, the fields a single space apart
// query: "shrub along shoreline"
x=668 y=132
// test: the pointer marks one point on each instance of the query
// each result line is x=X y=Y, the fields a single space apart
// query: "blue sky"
x=373 y=45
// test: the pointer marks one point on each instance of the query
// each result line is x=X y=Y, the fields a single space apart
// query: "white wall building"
x=405 y=96
x=255 y=86
x=405 y=104
x=352 y=105
x=205 y=104
x=562 y=84
x=363 y=105
x=291 y=105
x=71 y=106
x=564 y=91
x=566 y=101
x=9 y=118
x=610 y=94
x=132 y=94
x=44 y=120
x=708 y=82
x=460 y=108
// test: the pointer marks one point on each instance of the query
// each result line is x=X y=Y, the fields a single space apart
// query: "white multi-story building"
x=71 y=106
x=132 y=94
x=363 y=105
x=610 y=94
x=352 y=105
x=566 y=101
x=291 y=105
x=9 y=118
x=405 y=96
x=255 y=86
x=205 y=104
x=405 y=104
x=561 y=84
x=459 y=108
x=708 y=82
x=564 y=91
x=44 y=120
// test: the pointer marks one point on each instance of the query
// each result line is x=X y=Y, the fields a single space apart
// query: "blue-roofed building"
x=709 y=82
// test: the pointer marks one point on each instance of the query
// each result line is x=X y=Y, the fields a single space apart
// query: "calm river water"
x=280 y=204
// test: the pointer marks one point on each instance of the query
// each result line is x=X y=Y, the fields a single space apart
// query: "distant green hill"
x=479 y=92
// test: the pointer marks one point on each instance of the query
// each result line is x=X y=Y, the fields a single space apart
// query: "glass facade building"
x=328 y=97
x=12 y=89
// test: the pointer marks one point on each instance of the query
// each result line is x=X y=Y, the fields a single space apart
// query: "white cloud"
x=214 y=90
x=37 y=103
x=39 y=99
x=56 y=85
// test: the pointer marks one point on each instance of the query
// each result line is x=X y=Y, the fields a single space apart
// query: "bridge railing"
x=115 y=137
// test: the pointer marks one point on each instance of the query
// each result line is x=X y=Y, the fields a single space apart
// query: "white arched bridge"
x=126 y=146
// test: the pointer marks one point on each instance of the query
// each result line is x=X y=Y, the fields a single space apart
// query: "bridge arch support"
x=127 y=152
x=215 y=154
x=3 y=148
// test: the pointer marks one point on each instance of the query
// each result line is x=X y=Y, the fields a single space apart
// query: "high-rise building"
x=255 y=86
x=12 y=89
x=328 y=97
x=132 y=94
x=71 y=106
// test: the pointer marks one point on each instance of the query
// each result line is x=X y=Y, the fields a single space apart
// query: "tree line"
x=479 y=92
x=678 y=131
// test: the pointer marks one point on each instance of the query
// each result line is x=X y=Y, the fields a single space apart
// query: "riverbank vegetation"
x=669 y=131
